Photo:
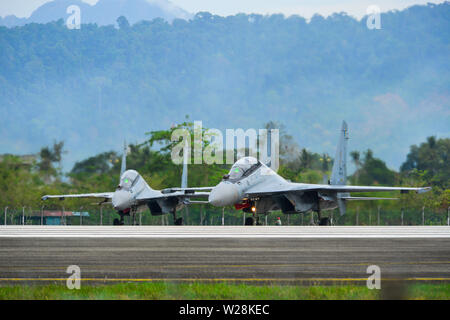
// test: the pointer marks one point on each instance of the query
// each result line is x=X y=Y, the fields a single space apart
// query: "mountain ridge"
x=104 y=12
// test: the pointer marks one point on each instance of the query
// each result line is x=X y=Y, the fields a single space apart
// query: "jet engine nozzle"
x=122 y=199
x=224 y=194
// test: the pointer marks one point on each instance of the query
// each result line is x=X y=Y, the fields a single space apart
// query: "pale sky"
x=305 y=8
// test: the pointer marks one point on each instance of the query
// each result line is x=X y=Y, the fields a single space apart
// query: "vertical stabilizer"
x=339 y=172
x=123 y=166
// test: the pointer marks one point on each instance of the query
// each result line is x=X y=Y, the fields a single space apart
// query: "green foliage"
x=371 y=170
x=287 y=173
x=430 y=161
x=99 y=164
x=48 y=158
x=18 y=184
x=215 y=291
x=312 y=177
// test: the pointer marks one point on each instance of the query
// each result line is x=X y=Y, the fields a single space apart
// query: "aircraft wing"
x=345 y=188
x=366 y=198
x=178 y=194
x=104 y=195
x=187 y=190
x=263 y=190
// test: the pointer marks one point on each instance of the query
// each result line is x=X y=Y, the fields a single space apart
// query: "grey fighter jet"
x=133 y=195
x=255 y=188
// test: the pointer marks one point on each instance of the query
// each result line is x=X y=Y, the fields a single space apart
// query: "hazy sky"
x=305 y=8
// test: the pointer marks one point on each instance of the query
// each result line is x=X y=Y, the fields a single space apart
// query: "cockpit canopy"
x=128 y=179
x=243 y=167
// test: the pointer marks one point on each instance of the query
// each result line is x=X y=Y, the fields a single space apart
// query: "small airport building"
x=54 y=218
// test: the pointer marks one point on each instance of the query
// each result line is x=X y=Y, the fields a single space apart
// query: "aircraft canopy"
x=128 y=178
x=242 y=167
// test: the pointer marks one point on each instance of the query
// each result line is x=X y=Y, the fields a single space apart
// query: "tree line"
x=23 y=184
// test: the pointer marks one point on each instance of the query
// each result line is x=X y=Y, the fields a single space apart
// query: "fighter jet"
x=133 y=195
x=253 y=187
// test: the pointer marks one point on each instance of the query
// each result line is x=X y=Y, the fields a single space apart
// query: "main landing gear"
x=177 y=221
x=325 y=221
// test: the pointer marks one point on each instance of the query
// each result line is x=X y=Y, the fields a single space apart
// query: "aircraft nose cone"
x=121 y=200
x=224 y=194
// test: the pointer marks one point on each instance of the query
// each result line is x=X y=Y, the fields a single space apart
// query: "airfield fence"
x=205 y=216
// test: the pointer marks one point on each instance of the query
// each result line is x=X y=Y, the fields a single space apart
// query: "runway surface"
x=244 y=254
x=225 y=231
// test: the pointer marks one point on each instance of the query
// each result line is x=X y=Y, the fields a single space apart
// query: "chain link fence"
x=105 y=216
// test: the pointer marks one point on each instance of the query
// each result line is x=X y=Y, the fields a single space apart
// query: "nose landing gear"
x=251 y=207
x=131 y=212
x=120 y=222
x=250 y=221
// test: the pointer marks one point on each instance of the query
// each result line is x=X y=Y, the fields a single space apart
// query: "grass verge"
x=215 y=291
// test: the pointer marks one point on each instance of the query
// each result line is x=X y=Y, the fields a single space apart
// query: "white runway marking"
x=224 y=232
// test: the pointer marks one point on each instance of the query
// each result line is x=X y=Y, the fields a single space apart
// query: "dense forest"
x=95 y=86
x=427 y=164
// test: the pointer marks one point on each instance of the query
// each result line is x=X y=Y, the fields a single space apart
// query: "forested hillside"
x=95 y=86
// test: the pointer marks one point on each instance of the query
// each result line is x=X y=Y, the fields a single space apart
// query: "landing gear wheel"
x=249 y=221
x=120 y=222
x=179 y=221
x=324 y=222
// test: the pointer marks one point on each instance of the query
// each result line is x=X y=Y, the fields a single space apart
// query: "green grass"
x=219 y=291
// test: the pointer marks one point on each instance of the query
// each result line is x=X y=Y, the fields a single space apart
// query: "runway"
x=225 y=231
x=284 y=255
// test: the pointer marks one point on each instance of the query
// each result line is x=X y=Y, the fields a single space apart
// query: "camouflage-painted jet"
x=133 y=195
x=257 y=189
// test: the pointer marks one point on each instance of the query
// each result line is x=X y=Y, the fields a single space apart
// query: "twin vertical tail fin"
x=123 y=166
x=339 y=171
